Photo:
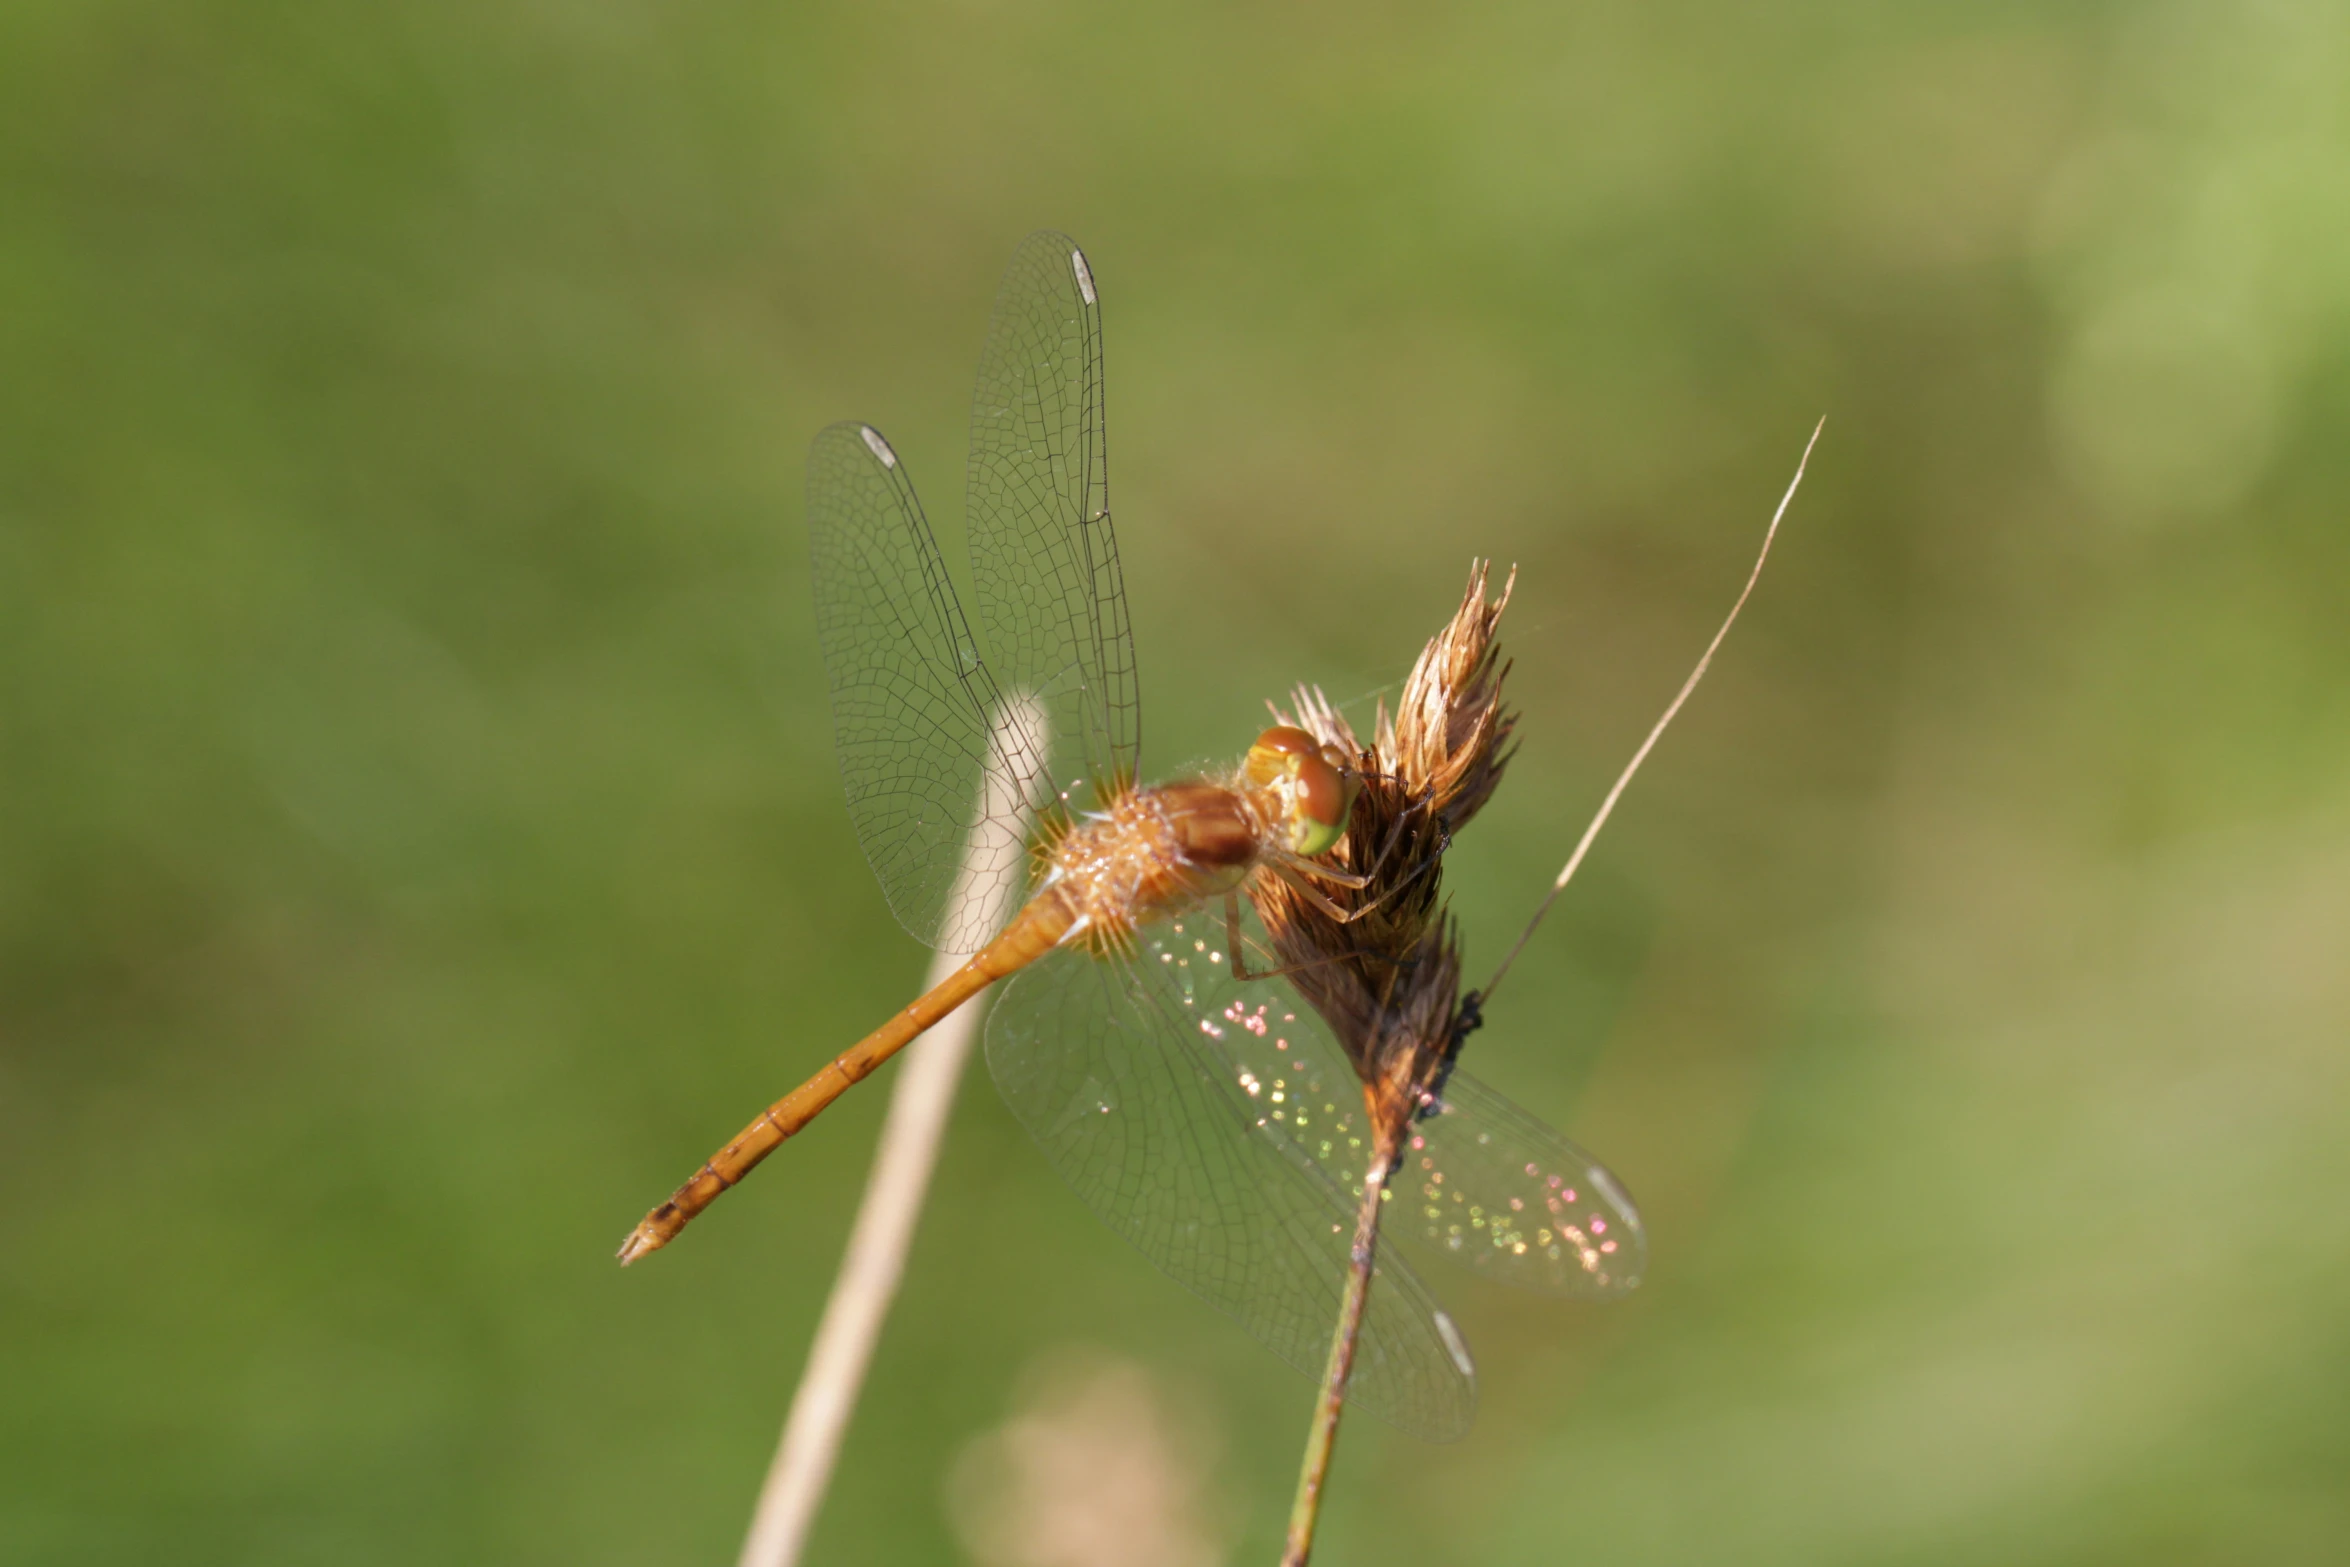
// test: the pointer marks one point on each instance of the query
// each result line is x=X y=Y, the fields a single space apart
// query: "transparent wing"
x=915 y=710
x=1488 y=1185
x=1141 y=1110
x=1481 y=1181
x=1044 y=557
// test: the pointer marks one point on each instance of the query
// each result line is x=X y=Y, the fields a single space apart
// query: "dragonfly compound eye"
x=1274 y=757
x=1315 y=786
x=1270 y=758
x=1320 y=800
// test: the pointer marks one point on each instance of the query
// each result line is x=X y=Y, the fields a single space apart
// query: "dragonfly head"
x=1312 y=782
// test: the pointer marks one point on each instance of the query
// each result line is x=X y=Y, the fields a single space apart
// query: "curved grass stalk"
x=875 y=1258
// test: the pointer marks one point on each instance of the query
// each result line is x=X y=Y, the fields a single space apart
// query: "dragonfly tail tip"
x=642 y=1241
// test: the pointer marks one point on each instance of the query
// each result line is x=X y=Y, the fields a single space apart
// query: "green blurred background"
x=420 y=840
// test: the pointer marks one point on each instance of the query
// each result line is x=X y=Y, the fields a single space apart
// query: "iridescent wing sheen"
x=1149 y=1115
x=1481 y=1181
x=1491 y=1187
x=915 y=710
x=1044 y=556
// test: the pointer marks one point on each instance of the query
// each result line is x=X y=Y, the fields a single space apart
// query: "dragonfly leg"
x=1293 y=870
x=1232 y=941
x=1235 y=944
x=1290 y=869
x=1330 y=873
x=1355 y=879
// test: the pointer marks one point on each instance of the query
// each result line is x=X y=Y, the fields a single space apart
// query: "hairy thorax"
x=1153 y=851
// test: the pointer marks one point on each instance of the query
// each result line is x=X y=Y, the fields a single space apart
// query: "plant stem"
x=863 y=1289
x=1322 y=1435
x=884 y=1231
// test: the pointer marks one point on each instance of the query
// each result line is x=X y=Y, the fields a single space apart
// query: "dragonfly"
x=1201 y=1109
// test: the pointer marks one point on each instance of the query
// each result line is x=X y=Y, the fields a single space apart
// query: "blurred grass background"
x=420 y=841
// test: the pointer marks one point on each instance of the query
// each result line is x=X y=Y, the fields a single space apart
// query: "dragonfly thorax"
x=1154 y=852
x=1174 y=846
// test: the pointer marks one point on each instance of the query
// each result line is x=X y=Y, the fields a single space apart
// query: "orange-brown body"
x=1148 y=853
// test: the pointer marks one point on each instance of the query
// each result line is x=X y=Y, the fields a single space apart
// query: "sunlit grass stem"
x=875 y=1258
x=1330 y=1402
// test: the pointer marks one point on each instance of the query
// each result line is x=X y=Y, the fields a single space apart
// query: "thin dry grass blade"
x=884 y=1231
x=1672 y=710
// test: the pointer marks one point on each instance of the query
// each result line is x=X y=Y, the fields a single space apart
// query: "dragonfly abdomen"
x=1152 y=853
x=1034 y=931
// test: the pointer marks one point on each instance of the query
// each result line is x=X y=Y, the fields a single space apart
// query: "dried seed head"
x=1388 y=981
